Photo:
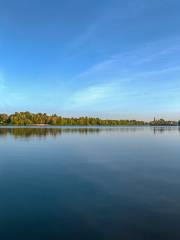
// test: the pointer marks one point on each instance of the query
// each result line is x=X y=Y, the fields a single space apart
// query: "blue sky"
x=110 y=58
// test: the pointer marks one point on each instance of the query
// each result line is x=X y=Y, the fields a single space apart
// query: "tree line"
x=28 y=119
x=162 y=122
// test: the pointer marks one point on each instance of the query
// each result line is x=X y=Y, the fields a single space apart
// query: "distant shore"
x=43 y=119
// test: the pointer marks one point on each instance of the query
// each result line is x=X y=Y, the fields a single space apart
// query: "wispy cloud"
x=128 y=80
x=111 y=15
x=134 y=63
x=92 y=95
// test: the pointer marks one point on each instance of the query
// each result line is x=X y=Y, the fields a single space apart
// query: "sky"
x=113 y=59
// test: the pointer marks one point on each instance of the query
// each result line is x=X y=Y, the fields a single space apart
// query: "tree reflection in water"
x=28 y=132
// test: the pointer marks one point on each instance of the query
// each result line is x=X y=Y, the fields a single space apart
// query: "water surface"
x=90 y=183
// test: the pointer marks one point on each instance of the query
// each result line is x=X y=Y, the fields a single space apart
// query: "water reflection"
x=95 y=183
x=165 y=129
x=28 y=132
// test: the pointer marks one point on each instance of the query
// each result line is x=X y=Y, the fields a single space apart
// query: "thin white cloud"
x=92 y=95
x=126 y=81
x=131 y=64
x=99 y=67
x=109 y=13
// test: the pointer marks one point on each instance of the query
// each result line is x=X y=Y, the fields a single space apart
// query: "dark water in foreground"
x=88 y=184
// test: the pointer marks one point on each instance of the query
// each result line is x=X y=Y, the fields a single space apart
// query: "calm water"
x=90 y=183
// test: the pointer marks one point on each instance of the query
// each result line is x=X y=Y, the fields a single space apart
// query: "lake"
x=90 y=183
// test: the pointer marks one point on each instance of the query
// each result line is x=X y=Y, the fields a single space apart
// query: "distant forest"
x=29 y=119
